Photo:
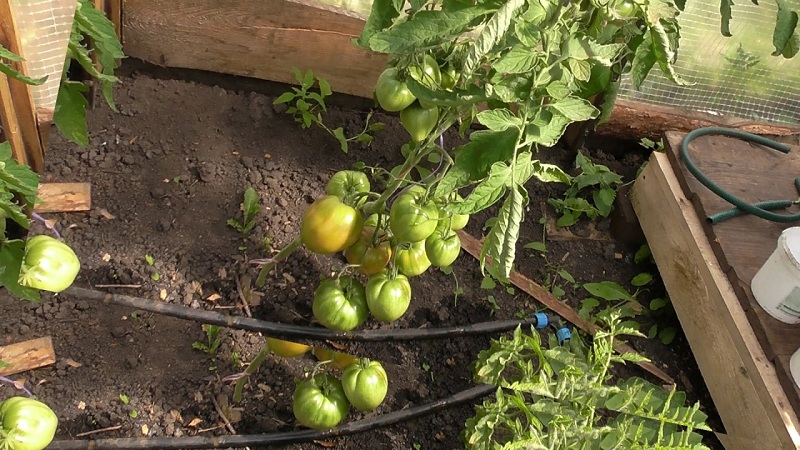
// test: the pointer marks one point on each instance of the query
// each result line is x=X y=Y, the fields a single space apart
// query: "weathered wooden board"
x=743 y=382
x=256 y=38
x=28 y=355
x=64 y=197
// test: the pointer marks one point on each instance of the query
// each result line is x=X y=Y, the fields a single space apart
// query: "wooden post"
x=18 y=94
x=28 y=355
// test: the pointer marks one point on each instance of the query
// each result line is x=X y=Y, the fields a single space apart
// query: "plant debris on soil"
x=167 y=172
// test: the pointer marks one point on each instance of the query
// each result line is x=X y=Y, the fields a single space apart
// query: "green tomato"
x=457 y=221
x=370 y=257
x=419 y=121
x=347 y=183
x=450 y=77
x=411 y=217
x=428 y=74
x=388 y=298
x=329 y=226
x=411 y=259
x=29 y=424
x=340 y=304
x=392 y=93
x=442 y=247
x=48 y=264
x=365 y=384
x=625 y=8
x=320 y=402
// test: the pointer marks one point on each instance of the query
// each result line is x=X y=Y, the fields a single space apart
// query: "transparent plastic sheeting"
x=734 y=76
x=43 y=29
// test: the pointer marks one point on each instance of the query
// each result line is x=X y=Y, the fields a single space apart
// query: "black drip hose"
x=291 y=437
x=285 y=331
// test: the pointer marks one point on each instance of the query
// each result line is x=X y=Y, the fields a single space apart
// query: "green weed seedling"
x=307 y=106
x=250 y=208
x=213 y=340
x=595 y=181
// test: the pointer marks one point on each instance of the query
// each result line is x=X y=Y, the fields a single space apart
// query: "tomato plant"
x=365 y=384
x=26 y=424
x=411 y=259
x=48 y=264
x=319 y=402
x=330 y=226
x=388 y=297
x=371 y=252
x=287 y=349
x=442 y=247
x=340 y=303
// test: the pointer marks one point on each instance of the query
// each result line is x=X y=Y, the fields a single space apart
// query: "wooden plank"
x=742 y=381
x=473 y=247
x=21 y=93
x=28 y=355
x=64 y=197
x=255 y=38
x=8 y=116
x=113 y=9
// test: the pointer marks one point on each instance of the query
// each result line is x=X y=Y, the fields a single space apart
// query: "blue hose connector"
x=542 y=321
x=563 y=335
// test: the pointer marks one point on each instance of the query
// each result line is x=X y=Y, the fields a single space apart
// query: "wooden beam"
x=64 y=197
x=28 y=355
x=543 y=296
x=20 y=93
x=113 y=9
x=739 y=376
x=8 y=116
x=255 y=38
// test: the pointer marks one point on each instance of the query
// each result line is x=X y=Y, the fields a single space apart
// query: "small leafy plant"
x=250 y=208
x=213 y=341
x=601 y=184
x=566 y=398
x=307 y=106
x=5 y=67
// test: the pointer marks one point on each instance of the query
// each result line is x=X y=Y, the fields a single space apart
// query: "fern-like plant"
x=566 y=398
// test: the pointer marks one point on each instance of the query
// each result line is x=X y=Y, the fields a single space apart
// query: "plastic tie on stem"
x=563 y=335
x=542 y=321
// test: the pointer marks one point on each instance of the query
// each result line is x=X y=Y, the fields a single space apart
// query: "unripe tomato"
x=340 y=304
x=371 y=258
x=346 y=183
x=419 y=121
x=450 y=77
x=388 y=298
x=30 y=423
x=411 y=259
x=411 y=217
x=428 y=74
x=319 y=402
x=392 y=93
x=365 y=384
x=442 y=247
x=338 y=360
x=48 y=264
x=329 y=226
x=287 y=349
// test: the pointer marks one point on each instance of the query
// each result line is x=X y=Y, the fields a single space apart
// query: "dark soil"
x=167 y=172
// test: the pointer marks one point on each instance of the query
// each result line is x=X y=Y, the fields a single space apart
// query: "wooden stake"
x=473 y=247
x=64 y=197
x=27 y=355
x=20 y=95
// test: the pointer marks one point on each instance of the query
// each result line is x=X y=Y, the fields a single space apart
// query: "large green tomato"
x=419 y=121
x=346 y=183
x=370 y=257
x=28 y=424
x=329 y=226
x=392 y=93
x=320 y=402
x=428 y=74
x=411 y=259
x=340 y=304
x=411 y=217
x=450 y=77
x=442 y=247
x=48 y=265
x=365 y=384
x=388 y=298
x=456 y=221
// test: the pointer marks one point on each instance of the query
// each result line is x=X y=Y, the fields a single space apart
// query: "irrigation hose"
x=762 y=209
x=286 y=331
x=273 y=439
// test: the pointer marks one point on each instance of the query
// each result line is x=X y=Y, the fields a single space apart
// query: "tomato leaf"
x=486 y=193
x=642 y=279
x=11 y=254
x=643 y=61
x=609 y=99
x=547 y=129
x=12 y=210
x=608 y=290
x=485 y=148
x=338 y=133
x=519 y=59
x=501 y=242
x=665 y=55
x=784 y=37
x=454 y=97
x=70 y=112
x=725 y=12
x=382 y=15
x=498 y=119
x=11 y=73
x=575 y=109
x=492 y=34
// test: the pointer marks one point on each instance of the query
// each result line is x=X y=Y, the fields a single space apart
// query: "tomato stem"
x=251 y=369
x=282 y=255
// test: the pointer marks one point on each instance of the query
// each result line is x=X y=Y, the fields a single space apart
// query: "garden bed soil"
x=167 y=172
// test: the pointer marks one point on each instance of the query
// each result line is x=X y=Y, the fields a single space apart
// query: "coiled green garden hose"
x=761 y=209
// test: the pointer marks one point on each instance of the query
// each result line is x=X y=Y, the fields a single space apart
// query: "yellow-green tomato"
x=329 y=226
x=411 y=259
x=319 y=402
x=388 y=297
x=392 y=93
x=340 y=304
x=29 y=424
x=412 y=218
x=428 y=73
x=419 y=121
x=365 y=384
x=48 y=264
x=348 y=183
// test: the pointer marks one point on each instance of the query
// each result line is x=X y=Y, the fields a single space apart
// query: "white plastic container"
x=776 y=286
x=794 y=366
